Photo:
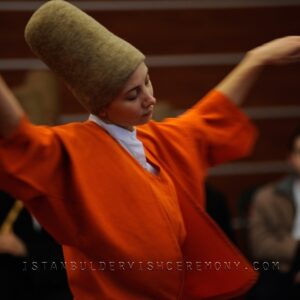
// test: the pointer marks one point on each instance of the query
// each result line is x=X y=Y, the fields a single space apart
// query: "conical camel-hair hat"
x=93 y=62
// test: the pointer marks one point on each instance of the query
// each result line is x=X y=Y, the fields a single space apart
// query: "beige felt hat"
x=93 y=62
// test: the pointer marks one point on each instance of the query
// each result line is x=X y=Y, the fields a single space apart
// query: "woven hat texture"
x=93 y=62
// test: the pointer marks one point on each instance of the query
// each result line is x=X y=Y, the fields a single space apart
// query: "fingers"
x=281 y=51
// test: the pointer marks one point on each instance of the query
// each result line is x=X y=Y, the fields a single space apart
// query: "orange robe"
x=109 y=213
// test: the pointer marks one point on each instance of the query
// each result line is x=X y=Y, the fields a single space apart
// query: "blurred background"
x=190 y=47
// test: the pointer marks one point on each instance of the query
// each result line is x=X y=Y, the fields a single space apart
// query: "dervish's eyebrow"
x=137 y=85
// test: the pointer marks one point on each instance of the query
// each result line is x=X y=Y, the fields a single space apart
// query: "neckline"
x=114 y=130
x=157 y=176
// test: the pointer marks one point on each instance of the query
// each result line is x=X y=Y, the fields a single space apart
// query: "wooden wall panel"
x=12 y=26
x=183 y=86
x=14 y=78
x=234 y=186
x=175 y=31
x=273 y=138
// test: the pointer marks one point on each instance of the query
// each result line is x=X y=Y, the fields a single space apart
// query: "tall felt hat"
x=93 y=62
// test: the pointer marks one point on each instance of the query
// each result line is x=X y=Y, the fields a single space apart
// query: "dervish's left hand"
x=281 y=51
x=10 y=243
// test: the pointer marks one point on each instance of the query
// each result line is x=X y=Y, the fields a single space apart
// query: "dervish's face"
x=295 y=156
x=134 y=104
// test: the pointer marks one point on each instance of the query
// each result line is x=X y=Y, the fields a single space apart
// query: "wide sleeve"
x=30 y=162
x=215 y=125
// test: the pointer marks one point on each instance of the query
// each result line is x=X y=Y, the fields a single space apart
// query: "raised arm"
x=10 y=110
x=238 y=83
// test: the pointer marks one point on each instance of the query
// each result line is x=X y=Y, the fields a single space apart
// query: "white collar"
x=128 y=140
x=119 y=133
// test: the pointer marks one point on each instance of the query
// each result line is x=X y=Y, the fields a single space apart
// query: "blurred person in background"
x=14 y=283
x=23 y=245
x=274 y=231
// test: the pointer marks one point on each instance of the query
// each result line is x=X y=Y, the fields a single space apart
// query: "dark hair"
x=292 y=139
